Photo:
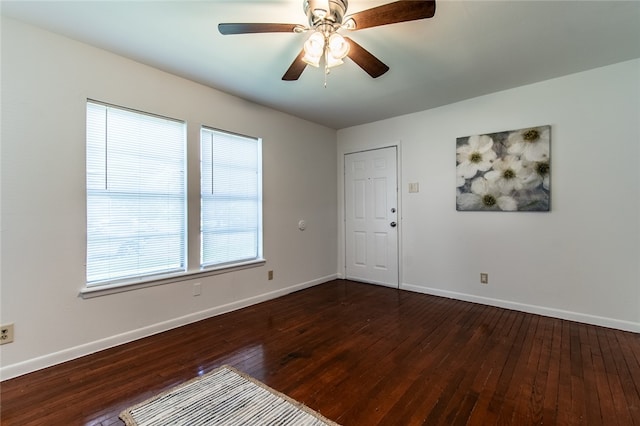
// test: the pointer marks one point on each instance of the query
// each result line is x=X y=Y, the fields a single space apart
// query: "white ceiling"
x=469 y=48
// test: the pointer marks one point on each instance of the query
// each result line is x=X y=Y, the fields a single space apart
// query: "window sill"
x=106 y=289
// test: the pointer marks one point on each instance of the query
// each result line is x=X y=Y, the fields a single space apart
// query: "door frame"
x=342 y=249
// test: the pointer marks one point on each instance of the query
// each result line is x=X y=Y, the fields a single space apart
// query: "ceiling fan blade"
x=240 y=28
x=391 y=13
x=296 y=68
x=372 y=65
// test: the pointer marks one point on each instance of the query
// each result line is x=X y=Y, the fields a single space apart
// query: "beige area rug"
x=225 y=396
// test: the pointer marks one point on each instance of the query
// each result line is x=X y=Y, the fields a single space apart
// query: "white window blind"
x=136 y=194
x=231 y=198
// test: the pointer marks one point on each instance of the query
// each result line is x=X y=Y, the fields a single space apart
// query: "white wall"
x=581 y=260
x=46 y=80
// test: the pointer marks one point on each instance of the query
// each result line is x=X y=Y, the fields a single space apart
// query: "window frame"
x=193 y=268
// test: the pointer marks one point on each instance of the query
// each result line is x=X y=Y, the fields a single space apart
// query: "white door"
x=371 y=216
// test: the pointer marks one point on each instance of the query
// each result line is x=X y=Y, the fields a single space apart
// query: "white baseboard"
x=532 y=309
x=18 y=369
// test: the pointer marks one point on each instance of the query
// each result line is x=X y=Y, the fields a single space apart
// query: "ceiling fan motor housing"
x=323 y=12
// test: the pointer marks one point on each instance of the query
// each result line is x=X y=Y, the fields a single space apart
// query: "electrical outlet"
x=6 y=334
x=197 y=289
x=484 y=278
x=270 y=275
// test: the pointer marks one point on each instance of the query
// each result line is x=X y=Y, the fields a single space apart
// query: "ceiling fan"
x=325 y=44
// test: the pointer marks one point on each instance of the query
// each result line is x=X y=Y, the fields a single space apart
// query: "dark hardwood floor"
x=363 y=355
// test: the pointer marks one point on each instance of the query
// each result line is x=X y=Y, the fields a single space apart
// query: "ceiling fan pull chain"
x=326 y=66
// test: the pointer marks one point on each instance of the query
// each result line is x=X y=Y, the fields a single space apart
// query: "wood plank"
x=620 y=408
x=588 y=372
x=625 y=344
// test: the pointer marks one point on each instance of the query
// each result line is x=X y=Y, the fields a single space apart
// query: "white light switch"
x=414 y=187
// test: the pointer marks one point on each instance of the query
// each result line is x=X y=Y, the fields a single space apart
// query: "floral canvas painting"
x=504 y=171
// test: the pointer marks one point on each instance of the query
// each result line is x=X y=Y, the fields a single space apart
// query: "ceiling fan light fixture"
x=315 y=44
x=312 y=60
x=337 y=45
x=314 y=48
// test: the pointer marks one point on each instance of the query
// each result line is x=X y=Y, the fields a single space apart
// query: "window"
x=137 y=198
x=230 y=198
x=136 y=194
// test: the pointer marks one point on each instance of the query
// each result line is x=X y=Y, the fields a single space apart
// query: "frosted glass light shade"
x=314 y=48
x=338 y=46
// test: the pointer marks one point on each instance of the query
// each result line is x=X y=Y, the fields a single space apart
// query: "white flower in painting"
x=530 y=144
x=475 y=156
x=486 y=196
x=538 y=175
x=508 y=174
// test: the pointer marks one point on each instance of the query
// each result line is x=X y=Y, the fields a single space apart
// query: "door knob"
x=393 y=224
